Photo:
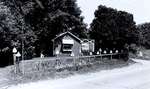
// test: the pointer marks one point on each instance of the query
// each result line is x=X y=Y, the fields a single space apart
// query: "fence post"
x=100 y=53
x=119 y=55
x=111 y=54
x=111 y=57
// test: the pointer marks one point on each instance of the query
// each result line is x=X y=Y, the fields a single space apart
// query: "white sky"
x=139 y=8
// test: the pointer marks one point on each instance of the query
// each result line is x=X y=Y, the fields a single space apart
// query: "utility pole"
x=22 y=14
x=22 y=51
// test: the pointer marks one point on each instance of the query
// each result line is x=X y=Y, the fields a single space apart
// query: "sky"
x=139 y=8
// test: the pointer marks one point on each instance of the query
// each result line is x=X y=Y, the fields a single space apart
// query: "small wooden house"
x=67 y=44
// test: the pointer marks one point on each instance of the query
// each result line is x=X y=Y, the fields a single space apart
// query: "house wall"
x=87 y=46
x=76 y=49
x=56 y=46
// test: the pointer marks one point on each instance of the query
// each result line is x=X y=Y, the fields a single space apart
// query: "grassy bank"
x=41 y=69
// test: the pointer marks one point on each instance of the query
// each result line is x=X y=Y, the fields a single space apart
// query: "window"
x=67 y=47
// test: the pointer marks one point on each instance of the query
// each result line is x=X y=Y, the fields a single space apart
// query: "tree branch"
x=40 y=4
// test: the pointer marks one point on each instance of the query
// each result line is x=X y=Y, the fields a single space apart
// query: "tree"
x=51 y=17
x=47 y=18
x=7 y=32
x=144 y=34
x=113 y=29
x=12 y=30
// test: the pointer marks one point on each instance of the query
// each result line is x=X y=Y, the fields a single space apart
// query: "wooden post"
x=14 y=62
x=101 y=53
x=18 y=55
x=111 y=54
x=17 y=65
x=14 y=58
x=119 y=55
x=111 y=57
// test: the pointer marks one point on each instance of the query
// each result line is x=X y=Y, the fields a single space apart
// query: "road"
x=136 y=76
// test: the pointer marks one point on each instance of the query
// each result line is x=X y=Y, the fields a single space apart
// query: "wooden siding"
x=76 y=48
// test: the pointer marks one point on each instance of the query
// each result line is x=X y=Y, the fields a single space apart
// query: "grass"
x=36 y=70
x=43 y=69
x=146 y=54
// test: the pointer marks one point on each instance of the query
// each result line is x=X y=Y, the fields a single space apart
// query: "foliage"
x=37 y=22
x=56 y=17
x=48 y=18
x=113 y=29
x=7 y=32
x=144 y=34
x=12 y=31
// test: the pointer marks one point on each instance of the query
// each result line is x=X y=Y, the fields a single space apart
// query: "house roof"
x=69 y=33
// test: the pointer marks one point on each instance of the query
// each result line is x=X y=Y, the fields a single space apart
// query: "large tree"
x=51 y=17
x=6 y=28
x=112 y=29
x=14 y=32
x=9 y=34
x=144 y=35
x=47 y=18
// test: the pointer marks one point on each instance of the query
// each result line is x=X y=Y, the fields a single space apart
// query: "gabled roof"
x=69 y=33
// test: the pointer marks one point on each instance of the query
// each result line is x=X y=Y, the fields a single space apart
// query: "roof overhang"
x=62 y=34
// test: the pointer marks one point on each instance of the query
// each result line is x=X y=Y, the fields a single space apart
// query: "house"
x=67 y=44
